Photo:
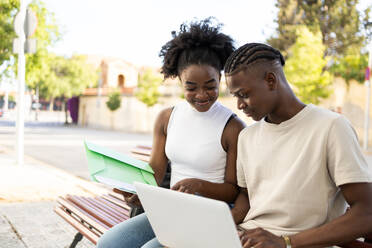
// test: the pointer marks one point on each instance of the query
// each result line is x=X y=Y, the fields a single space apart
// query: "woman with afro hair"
x=197 y=137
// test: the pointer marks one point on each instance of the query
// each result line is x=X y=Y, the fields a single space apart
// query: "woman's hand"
x=131 y=199
x=189 y=185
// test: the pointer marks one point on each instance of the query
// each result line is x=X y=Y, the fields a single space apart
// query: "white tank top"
x=193 y=143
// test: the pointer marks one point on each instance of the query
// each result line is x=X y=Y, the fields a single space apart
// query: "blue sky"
x=136 y=30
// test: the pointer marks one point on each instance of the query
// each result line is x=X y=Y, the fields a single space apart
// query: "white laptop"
x=182 y=220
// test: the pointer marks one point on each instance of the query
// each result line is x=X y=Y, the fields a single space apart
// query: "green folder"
x=114 y=167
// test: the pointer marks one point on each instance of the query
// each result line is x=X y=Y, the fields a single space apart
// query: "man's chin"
x=256 y=118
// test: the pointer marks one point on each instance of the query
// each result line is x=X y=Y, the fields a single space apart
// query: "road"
x=62 y=146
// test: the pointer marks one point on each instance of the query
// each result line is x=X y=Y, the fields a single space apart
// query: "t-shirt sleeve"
x=345 y=161
x=239 y=162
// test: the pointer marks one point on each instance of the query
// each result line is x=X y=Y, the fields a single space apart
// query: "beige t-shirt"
x=292 y=170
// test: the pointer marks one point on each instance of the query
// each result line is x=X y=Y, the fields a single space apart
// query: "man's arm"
x=353 y=224
x=241 y=206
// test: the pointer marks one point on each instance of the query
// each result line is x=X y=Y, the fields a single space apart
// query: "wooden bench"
x=92 y=216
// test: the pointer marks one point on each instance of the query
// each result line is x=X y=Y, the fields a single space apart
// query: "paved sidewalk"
x=27 y=199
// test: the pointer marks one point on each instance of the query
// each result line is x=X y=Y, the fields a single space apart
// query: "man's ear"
x=271 y=80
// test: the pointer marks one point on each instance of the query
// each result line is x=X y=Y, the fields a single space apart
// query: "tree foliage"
x=342 y=26
x=304 y=68
x=148 y=84
x=39 y=65
x=114 y=100
x=351 y=66
x=8 y=10
x=65 y=77
x=55 y=76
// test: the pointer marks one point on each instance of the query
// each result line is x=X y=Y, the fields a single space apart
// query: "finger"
x=118 y=191
x=247 y=242
x=133 y=198
x=259 y=245
x=175 y=187
x=182 y=188
x=127 y=194
x=188 y=191
x=134 y=201
x=252 y=231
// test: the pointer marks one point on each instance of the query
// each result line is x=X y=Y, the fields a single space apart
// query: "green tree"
x=148 y=84
x=8 y=10
x=114 y=101
x=342 y=26
x=304 y=68
x=40 y=66
x=66 y=77
x=351 y=66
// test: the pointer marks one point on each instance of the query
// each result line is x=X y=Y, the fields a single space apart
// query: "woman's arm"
x=241 y=206
x=228 y=190
x=158 y=159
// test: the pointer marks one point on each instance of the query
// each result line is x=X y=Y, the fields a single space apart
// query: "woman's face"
x=201 y=86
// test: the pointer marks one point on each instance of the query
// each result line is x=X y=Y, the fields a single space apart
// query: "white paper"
x=117 y=184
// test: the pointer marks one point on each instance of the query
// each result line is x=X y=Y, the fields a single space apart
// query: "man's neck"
x=287 y=108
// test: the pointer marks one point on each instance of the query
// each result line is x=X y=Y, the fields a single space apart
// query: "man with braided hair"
x=198 y=136
x=298 y=166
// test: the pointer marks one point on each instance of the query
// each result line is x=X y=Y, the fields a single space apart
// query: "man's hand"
x=189 y=185
x=260 y=238
x=131 y=199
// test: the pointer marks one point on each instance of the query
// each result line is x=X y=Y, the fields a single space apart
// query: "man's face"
x=254 y=93
x=201 y=86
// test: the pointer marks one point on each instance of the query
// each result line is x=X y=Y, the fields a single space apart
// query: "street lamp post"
x=25 y=25
x=21 y=84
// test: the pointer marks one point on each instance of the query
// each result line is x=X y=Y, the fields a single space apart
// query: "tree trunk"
x=51 y=105
x=112 y=120
x=64 y=108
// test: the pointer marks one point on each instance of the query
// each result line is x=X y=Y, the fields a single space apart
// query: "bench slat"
x=86 y=232
x=142 y=157
x=124 y=211
x=120 y=197
x=94 y=211
x=106 y=209
x=82 y=214
x=114 y=200
x=141 y=151
x=148 y=147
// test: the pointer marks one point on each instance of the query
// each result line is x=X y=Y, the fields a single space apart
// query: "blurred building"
x=114 y=73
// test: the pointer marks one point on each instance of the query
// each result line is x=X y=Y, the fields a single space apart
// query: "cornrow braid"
x=249 y=53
